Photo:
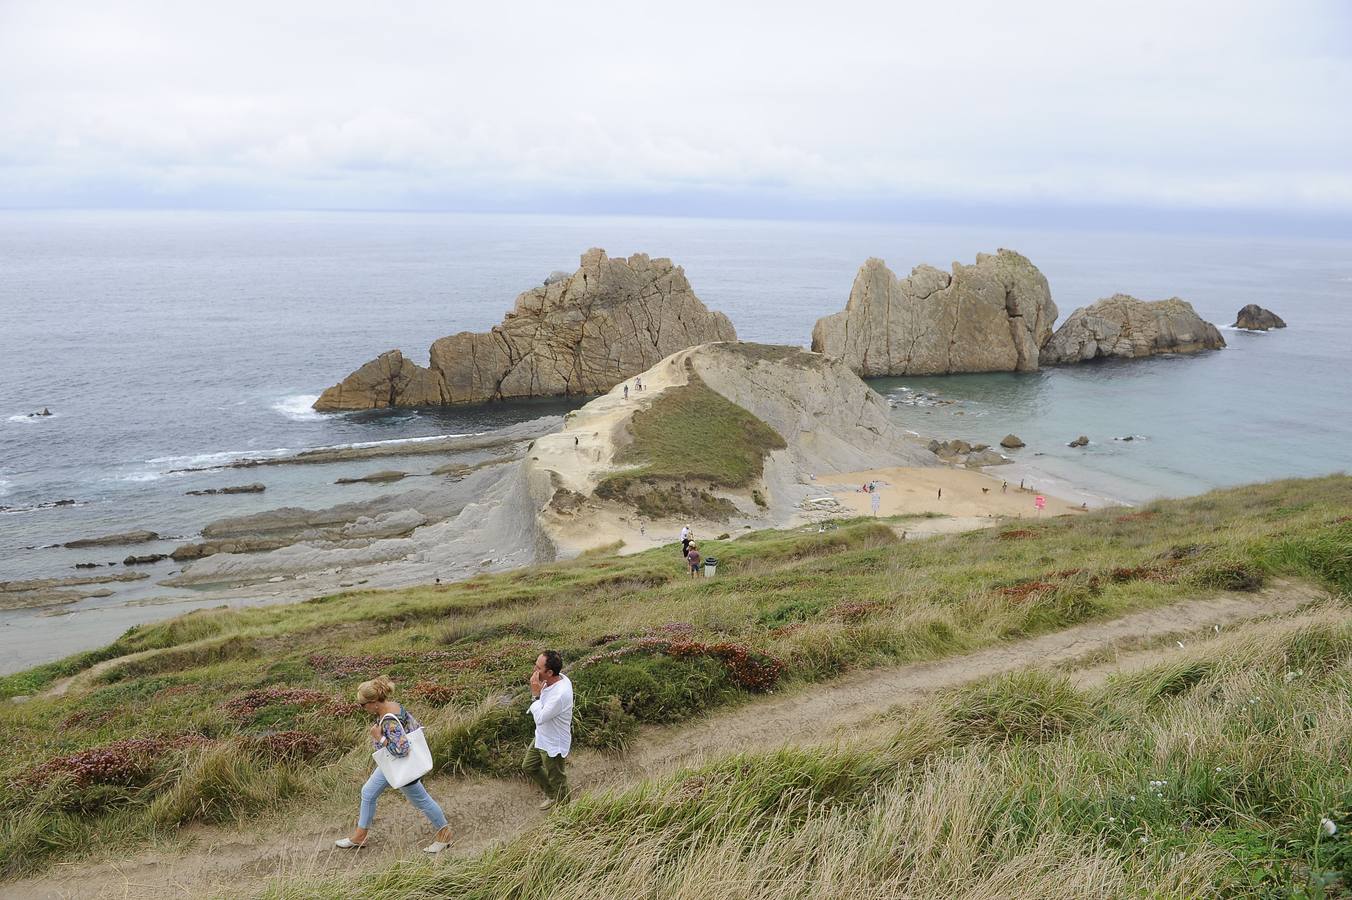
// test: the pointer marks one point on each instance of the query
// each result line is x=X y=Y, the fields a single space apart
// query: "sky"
x=897 y=109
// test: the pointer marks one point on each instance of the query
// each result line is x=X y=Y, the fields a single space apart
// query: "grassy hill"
x=220 y=716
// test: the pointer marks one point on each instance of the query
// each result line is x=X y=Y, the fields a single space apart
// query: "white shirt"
x=553 y=714
x=685 y=533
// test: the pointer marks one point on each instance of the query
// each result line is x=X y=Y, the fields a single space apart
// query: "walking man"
x=626 y=390
x=685 y=541
x=553 y=714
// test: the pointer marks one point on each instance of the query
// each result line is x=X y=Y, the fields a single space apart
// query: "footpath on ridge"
x=298 y=842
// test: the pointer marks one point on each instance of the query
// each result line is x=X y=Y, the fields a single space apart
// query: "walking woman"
x=374 y=697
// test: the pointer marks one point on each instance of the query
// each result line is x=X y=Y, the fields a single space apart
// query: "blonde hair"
x=377 y=690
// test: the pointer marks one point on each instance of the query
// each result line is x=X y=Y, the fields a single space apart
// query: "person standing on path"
x=553 y=714
x=693 y=557
x=626 y=390
x=374 y=697
x=685 y=541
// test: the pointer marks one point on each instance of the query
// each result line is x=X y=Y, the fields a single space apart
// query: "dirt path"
x=487 y=811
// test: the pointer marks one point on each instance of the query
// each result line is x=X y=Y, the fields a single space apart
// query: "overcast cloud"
x=1176 y=105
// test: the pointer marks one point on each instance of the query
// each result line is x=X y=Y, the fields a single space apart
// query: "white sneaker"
x=436 y=846
x=347 y=844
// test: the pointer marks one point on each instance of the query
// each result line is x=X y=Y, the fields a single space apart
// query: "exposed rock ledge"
x=1121 y=326
x=582 y=334
x=989 y=317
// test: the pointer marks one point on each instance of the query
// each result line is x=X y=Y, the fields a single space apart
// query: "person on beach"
x=692 y=556
x=626 y=391
x=685 y=541
x=374 y=697
x=638 y=384
x=552 y=710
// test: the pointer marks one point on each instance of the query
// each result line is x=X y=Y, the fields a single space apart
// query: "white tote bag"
x=402 y=770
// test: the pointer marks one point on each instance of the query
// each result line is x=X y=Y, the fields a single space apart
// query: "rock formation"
x=254 y=488
x=1122 y=326
x=989 y=317
x=1255 y=318
x=112 y=540
x=579 y=334
x=1011 y=442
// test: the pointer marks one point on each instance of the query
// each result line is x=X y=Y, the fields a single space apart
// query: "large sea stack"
x=579 y=334
x=1123 y=327
x=989 y=317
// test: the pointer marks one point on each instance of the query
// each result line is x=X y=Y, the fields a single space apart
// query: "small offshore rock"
x=1255 y=318
x=143 y=560
x=1081 y=441
x=1011 y=442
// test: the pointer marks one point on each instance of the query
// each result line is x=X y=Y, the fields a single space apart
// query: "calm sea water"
x=161 y=340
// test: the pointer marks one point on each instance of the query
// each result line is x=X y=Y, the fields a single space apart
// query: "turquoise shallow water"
x=164 y=339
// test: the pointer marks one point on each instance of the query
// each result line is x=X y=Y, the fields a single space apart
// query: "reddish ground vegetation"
x=432 y=692
x=285 y=745
x=853 y=612
x=121 y=762
x=246 y=706
x=1019 y=534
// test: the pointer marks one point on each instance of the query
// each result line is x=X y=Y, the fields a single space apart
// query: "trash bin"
x=710 y=566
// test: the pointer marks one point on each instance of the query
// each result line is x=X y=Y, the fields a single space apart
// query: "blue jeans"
x=415 y=792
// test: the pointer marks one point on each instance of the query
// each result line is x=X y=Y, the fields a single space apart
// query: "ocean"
x=169 y=340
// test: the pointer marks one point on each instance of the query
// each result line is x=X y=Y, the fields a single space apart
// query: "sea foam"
x=298 y=408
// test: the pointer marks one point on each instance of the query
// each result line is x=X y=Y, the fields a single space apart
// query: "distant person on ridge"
x=553 y=714
x=374 y=697
x=693 y=558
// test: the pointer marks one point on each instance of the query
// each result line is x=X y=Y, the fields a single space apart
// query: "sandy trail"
x=486 y=811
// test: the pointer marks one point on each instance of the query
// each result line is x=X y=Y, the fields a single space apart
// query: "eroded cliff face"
x=1124 y=327
x=581 y=334
x=989 y=317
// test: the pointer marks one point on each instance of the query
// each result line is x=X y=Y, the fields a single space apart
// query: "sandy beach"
x=959 y=493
